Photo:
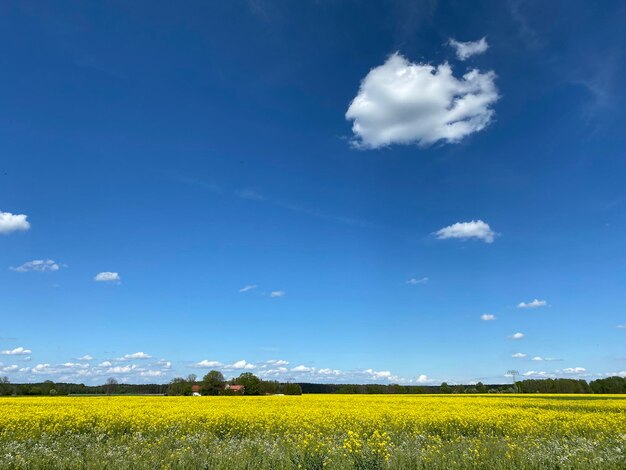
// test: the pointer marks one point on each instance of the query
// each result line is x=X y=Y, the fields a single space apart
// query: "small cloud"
x=207 y=363
x=302 y=368
x=137 y=355
x=534 y=304
x=242 y=365
x=487 y=317
x=121 y=369
x=13 y=222
x=105 y=364
x=519 y=355
x=574 y=370
x=413 y=281
x=401 y=102
x=247 y=288
x=38 y=265
x=16 y=352
x=278 y=362
x=86 y=357
x=381 y=374
x=621 y=327
x=465 y=50
x=277 y=293
x=423 y=379
x=151 y=373
x=107 y=276
x=517 y=336
x=537 y=358
x=465 y=230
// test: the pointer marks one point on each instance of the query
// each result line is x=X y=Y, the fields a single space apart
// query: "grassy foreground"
x=314 y=431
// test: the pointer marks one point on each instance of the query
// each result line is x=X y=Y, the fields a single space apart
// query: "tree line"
x=213 y=383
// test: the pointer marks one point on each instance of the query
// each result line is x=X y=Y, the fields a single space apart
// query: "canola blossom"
x=314 y=431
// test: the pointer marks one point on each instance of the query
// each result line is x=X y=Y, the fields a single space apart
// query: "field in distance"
x=314 y=431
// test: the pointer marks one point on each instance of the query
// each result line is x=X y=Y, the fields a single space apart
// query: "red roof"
x=195 y=388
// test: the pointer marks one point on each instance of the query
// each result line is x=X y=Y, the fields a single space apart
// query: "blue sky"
x=331 y=191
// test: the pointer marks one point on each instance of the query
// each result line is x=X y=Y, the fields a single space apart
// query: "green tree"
x=481 y=388
x=251 y=383
x=292 y=389
x=213 y=383
x=445 y=388
x=179 y=386
x=110 y=386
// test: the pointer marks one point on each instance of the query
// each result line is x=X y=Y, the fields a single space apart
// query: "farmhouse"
x=235 y=388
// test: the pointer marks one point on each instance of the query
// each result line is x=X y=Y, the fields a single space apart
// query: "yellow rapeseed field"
x=315 y=431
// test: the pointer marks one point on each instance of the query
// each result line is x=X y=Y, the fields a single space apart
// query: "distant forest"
x=180 y=386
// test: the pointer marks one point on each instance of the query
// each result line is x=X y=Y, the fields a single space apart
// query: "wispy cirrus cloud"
x=415 y=281
x=248 y=288
x=38 y=265
x=465 y=50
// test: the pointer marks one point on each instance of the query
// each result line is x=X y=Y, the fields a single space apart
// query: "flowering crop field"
x=314 y=431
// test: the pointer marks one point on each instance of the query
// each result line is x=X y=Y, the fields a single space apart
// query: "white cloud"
x=487 y=317
x=16 y=352
x=151 y=373
x=381 y=374
x=413 y=281
x=327 y=371
x=11 y=368
x=465 y=230
x=39 y=265
x=537 y=358
x=465 y=50
x=278 y=362
x=121 y=369
x=207 y=363
x=401 y=102
x=538 y=374
x=241 y=365
x=302 y=368
x=517 y=335
x=519 y=355
x=247 y=288
x=86 y=357
x=137 y=355
x=277 y=293
x=105 y=364
x=533 y=304
x=423 y=379
x=574 y=370
x=13 y=222
x=107 y=276
x=621 y=326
